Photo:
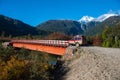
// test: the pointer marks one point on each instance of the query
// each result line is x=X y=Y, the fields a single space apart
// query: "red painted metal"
x=56 y=47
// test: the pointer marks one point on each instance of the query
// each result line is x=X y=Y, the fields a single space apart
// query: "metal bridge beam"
x=44 y=48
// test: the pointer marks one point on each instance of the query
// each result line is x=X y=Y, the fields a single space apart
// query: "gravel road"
x=113 y=52
x=95 y=63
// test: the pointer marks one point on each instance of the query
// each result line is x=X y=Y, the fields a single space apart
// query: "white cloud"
x=118 y=12
x=114 y=12
x=111 y=12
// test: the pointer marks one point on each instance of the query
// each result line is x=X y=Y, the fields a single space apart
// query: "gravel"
x=94 y=63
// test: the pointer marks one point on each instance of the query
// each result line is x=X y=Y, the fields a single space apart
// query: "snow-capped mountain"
x=86 y=19
x=104 y=17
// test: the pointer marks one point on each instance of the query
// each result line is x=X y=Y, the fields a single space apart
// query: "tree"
x=15 y=69
x=105 y=32
x=3 y=34
x=29 y=36
x=58 y=36
x=116 y=42
x=97 y=40
x=39 y=67
x=23 y=64
x=105 y=37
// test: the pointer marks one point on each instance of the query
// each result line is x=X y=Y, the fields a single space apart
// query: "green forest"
x=111 y=36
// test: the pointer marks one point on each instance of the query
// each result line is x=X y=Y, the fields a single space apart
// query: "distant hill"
x=92 y=24
x=88 y=25
x=110 y=22
x=68 y=27
x=13 y=27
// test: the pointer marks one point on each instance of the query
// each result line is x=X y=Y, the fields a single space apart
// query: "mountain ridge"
x=68 y=27
x=110 y=22
x=15 y=27
x=88 y=22
x=100 y=18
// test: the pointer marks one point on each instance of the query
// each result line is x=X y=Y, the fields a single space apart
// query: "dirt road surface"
x=95 y=63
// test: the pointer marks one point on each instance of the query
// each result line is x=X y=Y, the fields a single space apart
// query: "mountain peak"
x=86 y=19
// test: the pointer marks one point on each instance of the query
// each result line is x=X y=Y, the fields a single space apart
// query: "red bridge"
x=57 y=47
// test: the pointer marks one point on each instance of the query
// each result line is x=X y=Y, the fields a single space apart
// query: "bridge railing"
x=61 y=43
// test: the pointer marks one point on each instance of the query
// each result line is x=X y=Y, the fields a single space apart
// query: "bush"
x=22 y=64
x=14 y=69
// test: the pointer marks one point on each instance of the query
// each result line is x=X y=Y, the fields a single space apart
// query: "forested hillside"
x=111 y=22
x=13 y=27
x=111 y=36
x=68 y=27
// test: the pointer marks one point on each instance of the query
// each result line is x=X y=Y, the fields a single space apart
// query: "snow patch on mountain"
x=104 y=17
x=86 y=19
